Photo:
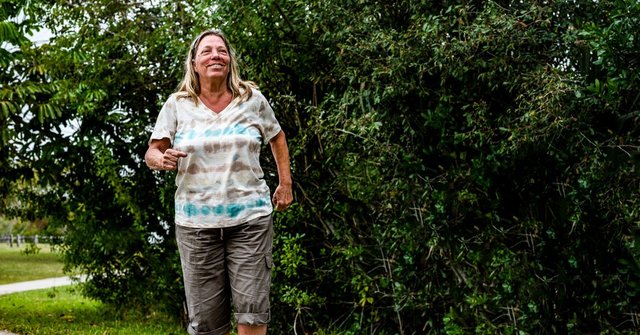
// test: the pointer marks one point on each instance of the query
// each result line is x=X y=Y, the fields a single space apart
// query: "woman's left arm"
x=283 y=195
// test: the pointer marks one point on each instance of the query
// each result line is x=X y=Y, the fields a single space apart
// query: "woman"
x=211 y=131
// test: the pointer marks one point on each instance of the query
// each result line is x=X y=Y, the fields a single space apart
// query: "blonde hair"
x=189 y=87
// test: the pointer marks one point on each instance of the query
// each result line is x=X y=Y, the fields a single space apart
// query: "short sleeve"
x=167 y=123
x=269 y=124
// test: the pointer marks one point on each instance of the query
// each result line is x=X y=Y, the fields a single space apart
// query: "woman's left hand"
x=282 y=197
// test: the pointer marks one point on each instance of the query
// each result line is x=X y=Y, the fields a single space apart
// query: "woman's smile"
x=212 y=58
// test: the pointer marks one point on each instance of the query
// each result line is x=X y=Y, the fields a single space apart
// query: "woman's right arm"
x=160 y=156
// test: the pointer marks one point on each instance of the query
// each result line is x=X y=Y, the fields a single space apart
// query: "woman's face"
x=212 y=59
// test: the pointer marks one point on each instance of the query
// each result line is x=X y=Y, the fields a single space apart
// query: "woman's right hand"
x=160 y=156
x=170 y=159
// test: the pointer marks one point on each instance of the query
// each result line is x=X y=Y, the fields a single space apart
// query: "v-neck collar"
x=214 y=114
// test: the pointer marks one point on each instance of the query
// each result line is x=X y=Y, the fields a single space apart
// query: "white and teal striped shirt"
x=220 y=182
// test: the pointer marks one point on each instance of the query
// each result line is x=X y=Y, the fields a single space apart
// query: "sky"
x=41 y=36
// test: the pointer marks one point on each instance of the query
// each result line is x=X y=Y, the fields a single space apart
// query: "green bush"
x=31 y=249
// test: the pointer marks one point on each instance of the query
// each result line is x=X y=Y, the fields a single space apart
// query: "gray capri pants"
x=225 y=265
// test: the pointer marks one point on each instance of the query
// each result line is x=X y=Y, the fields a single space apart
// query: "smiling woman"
x=211 y=131
x=212 y=67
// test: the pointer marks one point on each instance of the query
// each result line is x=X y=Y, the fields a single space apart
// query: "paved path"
x=34 y=285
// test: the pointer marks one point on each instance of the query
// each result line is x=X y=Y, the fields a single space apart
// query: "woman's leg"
x=249 y=262
x=252 y=330
x=205 y=280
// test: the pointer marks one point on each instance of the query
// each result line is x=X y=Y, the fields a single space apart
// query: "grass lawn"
x=63 y=311
x=16 y=266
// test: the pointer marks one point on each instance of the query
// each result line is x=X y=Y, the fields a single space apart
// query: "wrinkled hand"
x=282 y=197
x=170 y=159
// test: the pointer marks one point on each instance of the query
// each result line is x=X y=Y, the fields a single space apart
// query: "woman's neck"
x=215 y=97
x=213 y=89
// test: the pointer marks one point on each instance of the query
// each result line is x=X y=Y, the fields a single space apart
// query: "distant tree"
x=17 y=89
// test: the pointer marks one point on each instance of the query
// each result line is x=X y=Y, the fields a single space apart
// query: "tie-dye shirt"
x=220 y=182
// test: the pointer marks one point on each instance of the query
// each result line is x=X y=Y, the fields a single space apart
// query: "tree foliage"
x=459 y=166
x=80 y=142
